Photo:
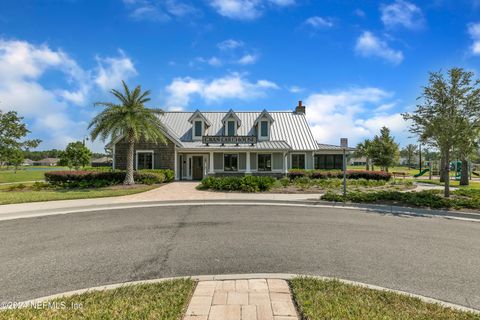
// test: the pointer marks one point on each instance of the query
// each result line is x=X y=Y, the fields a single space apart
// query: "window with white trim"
x=231 y=128
x=144 y=160
x=298 y=161
x=230 y=162
x=264 y=162
x=198 y=128
x=264 y=129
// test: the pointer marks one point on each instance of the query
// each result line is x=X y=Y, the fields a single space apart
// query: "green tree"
x=384 y=149
x=16 y=158
x=447 y=103
x=409 y=152
x=76 y=155
x=12 y=134
x=129 y=119
x=364 y=149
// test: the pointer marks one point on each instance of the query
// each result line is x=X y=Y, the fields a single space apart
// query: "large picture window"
x=329 y=161
x=230 y=162
x=144 y=160
x=298 y=161
x=198 y=128
x=264 y=162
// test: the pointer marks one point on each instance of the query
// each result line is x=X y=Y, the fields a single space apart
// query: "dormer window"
x=263 y=123
x=264 y=129
x=199 y=125
x=231 y=122
x=198 y=129
x=231 y=128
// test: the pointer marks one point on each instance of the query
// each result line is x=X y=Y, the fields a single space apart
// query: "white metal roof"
x=288 y=127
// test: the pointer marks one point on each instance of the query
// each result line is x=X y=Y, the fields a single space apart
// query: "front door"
x=197 y=173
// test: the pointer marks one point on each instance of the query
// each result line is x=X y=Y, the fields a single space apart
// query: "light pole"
x=344 y=146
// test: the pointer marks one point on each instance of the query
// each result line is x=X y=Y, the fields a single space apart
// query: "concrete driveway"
x=434 y=257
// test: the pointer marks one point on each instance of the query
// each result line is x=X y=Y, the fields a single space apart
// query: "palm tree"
x=129 y=119
x=364 y=149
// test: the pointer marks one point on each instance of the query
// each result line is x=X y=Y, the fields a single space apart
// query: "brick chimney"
x=300 y=108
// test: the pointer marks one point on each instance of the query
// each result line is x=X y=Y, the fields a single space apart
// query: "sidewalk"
x=248 y=299
x=175 y=191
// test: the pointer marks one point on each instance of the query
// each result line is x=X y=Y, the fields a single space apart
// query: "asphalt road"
x=434 y=257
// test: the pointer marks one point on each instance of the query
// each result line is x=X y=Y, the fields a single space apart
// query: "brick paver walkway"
x=253 y=299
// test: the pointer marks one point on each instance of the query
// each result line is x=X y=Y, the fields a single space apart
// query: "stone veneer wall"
x=163 y=155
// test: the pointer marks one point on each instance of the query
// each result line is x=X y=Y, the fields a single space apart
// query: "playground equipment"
x=421 y=173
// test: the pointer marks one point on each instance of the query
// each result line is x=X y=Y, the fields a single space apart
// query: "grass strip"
x=165 y=300
x=331 y=299
x=9 y=197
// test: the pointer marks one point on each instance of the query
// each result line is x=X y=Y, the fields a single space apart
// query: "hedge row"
x=425 y=198
x=244 y=184
x=87 y=179
x=351 y=174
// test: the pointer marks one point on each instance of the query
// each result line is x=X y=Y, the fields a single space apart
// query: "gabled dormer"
x=199 y=125
x=263 y=125
x=231 y=122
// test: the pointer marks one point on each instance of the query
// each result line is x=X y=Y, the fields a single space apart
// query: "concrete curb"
x=284 y=276
x=375 y=208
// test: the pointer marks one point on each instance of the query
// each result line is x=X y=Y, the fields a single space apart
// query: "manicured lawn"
x=332 y=299
x=409 y=171
x=165 y=300
x=453 y=183
x=26 y=174
x=27 y=195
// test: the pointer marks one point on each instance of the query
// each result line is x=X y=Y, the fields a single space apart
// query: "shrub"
x=96 y=179
x=284 y=182
x=37 y=186
x=83 y=179
x=350 y=174
x=15 y=187
x=151 y=176
x=244 y=184
x=425 y=198
x=368 y=175
x=296 y=173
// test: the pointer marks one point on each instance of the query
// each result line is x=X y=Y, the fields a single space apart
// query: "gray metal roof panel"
x=324 y=146
x=289 y=127
x=260 y=145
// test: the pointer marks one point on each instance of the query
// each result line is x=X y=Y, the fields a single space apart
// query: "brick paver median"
x=253 y=299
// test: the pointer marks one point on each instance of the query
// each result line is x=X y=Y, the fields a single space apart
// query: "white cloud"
x=149 y=13
x=295 y=89
x=213 y=61
x=474 y=31
x=158 y=11
x=230 y=44
x=402 y=14
x=283 y=2
x=368 y=45
x=246 y=9
x=52 y=113
x=352 y=113
x=248 y=59
x=112 y=70
x=319 y=22
x=233 y=86
x=359 y=13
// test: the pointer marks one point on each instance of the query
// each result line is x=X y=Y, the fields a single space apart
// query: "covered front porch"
x=198 y=164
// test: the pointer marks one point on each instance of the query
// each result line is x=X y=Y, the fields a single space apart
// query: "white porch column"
x=285 y=164
x=248 y=169
x=175 y=164
x=211 y=170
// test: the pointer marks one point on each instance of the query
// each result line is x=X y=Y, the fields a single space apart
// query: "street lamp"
x=344 y=146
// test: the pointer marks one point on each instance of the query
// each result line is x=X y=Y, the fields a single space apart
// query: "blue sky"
x=356 y=64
